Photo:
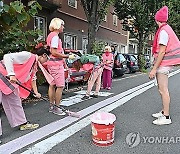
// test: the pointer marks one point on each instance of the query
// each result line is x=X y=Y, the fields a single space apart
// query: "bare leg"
x=58 y=95
x=162 y=80
x=98 y=81
x=51 y=94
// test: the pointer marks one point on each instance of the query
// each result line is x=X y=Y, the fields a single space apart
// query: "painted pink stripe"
x=40 y=133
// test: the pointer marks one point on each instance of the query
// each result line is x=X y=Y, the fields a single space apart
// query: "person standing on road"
x=19 y=67
x=166 y=51
x=94 y=78
x=55 y=65
x=108 y=61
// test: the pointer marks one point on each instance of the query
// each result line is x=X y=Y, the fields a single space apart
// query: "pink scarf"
x=48 y=77
x=156 y=39
x=107 y=53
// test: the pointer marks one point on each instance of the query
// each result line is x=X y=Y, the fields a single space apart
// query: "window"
x=72 y=3
x=105 y=18
x=40 y=23
x=70 y=41
x=84 y=44
x=131 y=48
x=122 y=49
x=115 y=19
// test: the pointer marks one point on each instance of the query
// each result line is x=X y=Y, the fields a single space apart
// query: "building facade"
x=76 y=26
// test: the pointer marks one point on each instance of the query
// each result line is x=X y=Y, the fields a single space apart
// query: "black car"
x=120 y=65
x=132 y=63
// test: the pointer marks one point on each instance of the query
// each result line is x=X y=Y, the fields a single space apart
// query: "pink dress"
x=56 y=65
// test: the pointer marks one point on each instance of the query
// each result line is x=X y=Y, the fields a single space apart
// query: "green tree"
x=138 y=19
x=13 y=18
x=95 y=11
x=174 y=15
x=98 y=47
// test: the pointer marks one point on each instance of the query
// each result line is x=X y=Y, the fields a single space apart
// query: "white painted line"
x=42 y=132
x=83 y=92
x=47 y=144
x=72 y=100
x=77 y=98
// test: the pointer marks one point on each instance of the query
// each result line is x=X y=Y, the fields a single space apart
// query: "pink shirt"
x=106 y=58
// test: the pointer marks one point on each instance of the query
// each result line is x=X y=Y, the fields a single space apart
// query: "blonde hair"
x=107 y=48
x=55 y=24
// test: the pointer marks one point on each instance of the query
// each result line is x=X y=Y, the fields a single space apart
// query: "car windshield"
x=147 y=58
x=121 y=58
x=133 y=58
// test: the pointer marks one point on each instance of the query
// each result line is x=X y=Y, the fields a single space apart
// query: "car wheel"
x=113 y=74
x=121 y=75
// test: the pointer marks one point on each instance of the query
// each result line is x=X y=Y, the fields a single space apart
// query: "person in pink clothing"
x=108 y=61
x=18 y=67
x=166 y=51
x=96 y=69
x=55 y=65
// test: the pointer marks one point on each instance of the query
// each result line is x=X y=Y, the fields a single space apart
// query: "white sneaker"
x=162 y=121
x=157 y=115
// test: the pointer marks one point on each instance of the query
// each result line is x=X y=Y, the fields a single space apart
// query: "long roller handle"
x=70 y=113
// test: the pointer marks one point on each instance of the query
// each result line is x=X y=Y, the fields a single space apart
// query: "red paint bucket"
x=103 y=128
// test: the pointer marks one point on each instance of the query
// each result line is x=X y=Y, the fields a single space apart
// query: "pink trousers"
x=95 y=77
x=13 y=109
x=107 y=78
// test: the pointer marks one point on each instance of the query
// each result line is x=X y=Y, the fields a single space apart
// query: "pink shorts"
x=57 y=72
x=164 y=70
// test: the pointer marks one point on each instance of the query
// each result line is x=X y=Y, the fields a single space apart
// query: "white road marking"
x=72 y=100
x=83 y=92
x=77 y=98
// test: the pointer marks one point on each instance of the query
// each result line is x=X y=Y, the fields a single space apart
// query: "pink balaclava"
x=162 y=14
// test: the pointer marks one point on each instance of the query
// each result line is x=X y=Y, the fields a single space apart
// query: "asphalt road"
x=133 y=101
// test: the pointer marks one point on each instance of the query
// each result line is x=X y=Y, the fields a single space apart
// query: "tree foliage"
x=95 y=11
x=174 y=15
x=13 y=18
x=138 y=18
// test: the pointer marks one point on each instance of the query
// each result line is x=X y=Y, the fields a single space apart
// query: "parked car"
x=136 y=56
x=132 y=63
x=120 y=65
x=148 y=61
x=73 y=75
